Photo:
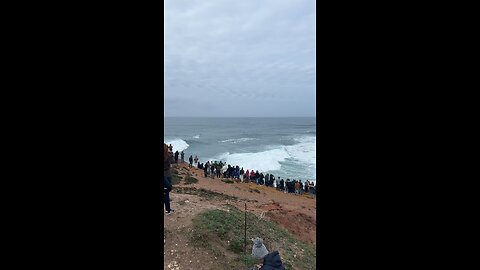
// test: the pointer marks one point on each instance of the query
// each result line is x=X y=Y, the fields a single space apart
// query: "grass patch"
x=228 y=181
x=203 y=193
x=190 y=180
x=217 y=227
x=176 y=178
x=248 y=260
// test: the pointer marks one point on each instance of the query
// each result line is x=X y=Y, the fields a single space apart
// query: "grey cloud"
x=223 y=54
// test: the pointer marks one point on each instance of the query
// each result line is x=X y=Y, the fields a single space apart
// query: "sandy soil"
x=297 y=214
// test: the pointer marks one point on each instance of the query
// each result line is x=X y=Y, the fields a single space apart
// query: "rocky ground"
x=297 y=214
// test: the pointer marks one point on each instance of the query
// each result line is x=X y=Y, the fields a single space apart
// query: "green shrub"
x=190 y=180
x=227 y=229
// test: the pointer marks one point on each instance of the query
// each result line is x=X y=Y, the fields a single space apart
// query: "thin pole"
x=245 y=242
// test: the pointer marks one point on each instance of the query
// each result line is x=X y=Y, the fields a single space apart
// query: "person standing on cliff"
x=181 y=156
x=196 y=160
x=297 y=187
x=242 y=172
x=205 y=169
x=190 y=161
x=176 y=156
x=167 y=179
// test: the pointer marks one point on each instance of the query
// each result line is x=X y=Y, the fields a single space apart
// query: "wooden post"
x=245 y=243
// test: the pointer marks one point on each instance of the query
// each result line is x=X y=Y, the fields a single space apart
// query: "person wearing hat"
x=271 y=261
x=258 y=249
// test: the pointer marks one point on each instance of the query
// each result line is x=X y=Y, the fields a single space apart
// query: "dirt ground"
x=296 y=213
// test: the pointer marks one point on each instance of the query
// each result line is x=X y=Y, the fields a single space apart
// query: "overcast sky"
x=242 y=58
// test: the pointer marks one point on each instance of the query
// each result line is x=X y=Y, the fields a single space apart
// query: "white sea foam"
x=262 y=161
x=238 y=140
x=196 y=137
x=305 y=151
x=178 y=144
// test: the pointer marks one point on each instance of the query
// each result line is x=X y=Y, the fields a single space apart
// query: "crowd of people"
x=266 y=260
x=223 y=170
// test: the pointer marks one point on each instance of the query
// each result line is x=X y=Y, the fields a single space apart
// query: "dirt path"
x=297 y=214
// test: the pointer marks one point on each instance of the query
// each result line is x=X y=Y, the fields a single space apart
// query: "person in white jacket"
x=224 y=169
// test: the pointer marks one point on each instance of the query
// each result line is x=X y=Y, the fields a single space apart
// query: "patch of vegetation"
x=226 y=228
x=228 y=181
x=248 y=260
x=175 y=177
x=190 y=180
x=236 y=245
x=207 y=194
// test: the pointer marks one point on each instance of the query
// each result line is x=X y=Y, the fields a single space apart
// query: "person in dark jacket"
x=167 y=179
x=181 y=156
x=176 y=156
x=272 y=261
x=205 y=169
x=190 y=161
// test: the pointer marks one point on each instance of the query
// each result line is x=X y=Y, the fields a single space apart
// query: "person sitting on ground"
x=190 y=161
x=258 y=249
x=272 y=261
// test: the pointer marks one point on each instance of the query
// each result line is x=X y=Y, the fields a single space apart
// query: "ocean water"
x=285 y=147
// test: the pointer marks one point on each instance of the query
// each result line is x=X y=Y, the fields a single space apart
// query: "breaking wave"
x=238 y=140
x=178 y=144
x=303 y=152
